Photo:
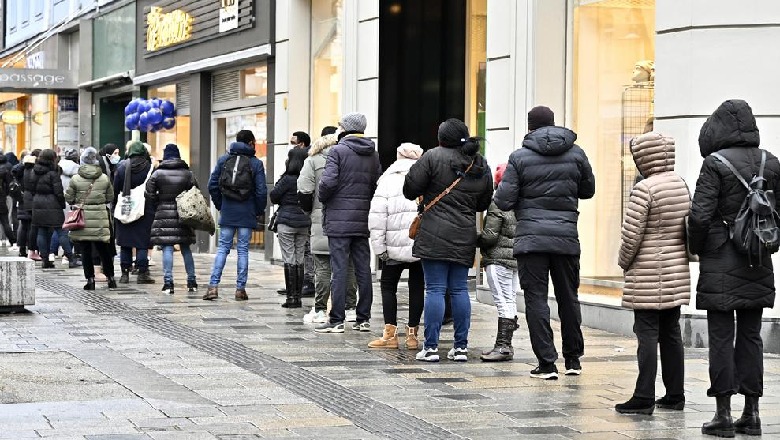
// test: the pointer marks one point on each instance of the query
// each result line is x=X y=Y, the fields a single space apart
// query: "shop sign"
x=67 y=103
x=228 y=15
x=36 y=60
x=167 y=29
x=37 y=79
x=12 y=117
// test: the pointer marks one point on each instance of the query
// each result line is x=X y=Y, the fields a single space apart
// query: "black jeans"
x=23 y=235
x=356 y=248
x=654 y=328
x=391 y=274
x=736 y=366
x=5 y=225
x=535 y=271
x=107 y=260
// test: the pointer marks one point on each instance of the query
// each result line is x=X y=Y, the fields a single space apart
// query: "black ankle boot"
x=125 y=278
x=111 y=282
x=636 y=405
x=144 y=278
x=722 y=424
x=23 y=252
x=750 y=422
x=90 y=284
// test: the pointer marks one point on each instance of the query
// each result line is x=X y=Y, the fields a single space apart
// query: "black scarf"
x=136 y=165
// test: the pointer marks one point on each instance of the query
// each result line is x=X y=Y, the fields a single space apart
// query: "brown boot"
x=241 y=295
x=212 y=293
x=389 y=338
x=411 y=338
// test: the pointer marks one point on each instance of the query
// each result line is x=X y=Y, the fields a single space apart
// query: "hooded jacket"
x=652 y=251
x=48 y=201
x=236 y=213
x=347 y=186
x=23 y=173
x=543 y=183
x=448 y=231
x=285 y=194
x=497 y=238
x=392 y=214
x=170 y=179
x=69 y=169
x=96 y=216
x=726 y=282
x=308 y=190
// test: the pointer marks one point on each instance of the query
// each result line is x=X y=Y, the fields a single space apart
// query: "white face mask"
x=114 y=159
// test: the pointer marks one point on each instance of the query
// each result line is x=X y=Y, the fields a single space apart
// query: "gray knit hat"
x=353 y=122
x=89 y=156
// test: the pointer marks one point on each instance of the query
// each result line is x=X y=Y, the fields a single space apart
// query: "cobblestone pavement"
x=134 y=363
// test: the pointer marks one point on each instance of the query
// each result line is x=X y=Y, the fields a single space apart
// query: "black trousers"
x=654 y=328
x=535 y=272
x=106 y=258
x=391 y=274
x=736 y=366
x=5 y=224
x=23 y=235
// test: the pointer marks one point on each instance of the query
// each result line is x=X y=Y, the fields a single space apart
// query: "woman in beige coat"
x=657 y=278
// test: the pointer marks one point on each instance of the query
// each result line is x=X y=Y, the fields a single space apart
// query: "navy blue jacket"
x=285 y=194
x=137 y=234
x=543 y=183
x=347 y=186
x=236 y=213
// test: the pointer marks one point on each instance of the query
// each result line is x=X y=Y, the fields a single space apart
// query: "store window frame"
x=241 y=102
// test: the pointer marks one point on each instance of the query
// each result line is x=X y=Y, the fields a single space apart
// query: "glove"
x=383 y=256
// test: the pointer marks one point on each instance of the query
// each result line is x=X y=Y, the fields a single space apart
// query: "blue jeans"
x=60 y=238
x=440 y=276
x=226 y=234
x=141 y=258
x=167 y=263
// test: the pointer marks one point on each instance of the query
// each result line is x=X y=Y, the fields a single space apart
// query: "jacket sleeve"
x=151 y=189
x=486 y=197
x=494 y=221
x=634 y=224
x=56 y=185
x=216 y=196
x=508 y=190
x=417 y=179
x=587 y=187
x=119 y=178
x=330 y=176
x=109 y=190
x=261 y=191
x=278 y=191
x=377 y=223
x=704 y=207
x=70 y=193
x=306 y=179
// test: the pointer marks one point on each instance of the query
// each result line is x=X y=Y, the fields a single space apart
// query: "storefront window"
x=254 y=82
x=614 y=49
x=327 y=59
x=477 y=62
x=114 y=47
x=179 y=134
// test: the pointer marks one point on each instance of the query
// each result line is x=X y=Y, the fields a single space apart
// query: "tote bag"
x=130 y=207
x=194 y=211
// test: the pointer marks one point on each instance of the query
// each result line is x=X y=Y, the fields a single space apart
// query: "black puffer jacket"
x=448 y=230
x=48 y=200
x=543 y=183
x=24 y=175
x=285 y=194
x=5 y=180
x=170 y=179
x=726 y=282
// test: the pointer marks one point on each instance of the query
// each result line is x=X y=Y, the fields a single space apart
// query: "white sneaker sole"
x=434 y=358
x=573 y=372
x=545 y=376
x=329 y=330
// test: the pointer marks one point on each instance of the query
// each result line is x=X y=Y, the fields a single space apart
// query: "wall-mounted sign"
x=12 y=117
x=228 y=15
x=37 y=79
x=36 y=60
x=167 y=29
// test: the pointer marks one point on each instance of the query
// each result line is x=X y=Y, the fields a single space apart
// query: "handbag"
x=414 y=228
x=131 y=206
x=272 y=224
x=691 y=256
x=74 y=220
x=194 y=211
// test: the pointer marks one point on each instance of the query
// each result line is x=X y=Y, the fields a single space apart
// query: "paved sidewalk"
x=134 y=363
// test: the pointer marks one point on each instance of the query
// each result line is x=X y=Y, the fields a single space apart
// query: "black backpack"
x=15 y=189
x=237 y=180
x=755 y=230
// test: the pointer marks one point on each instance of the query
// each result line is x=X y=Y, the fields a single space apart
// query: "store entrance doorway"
x=112 y=121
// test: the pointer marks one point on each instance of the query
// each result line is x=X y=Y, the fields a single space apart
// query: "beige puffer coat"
x=652 y=251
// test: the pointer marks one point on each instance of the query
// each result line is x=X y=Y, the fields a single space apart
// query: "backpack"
x=237 y=179
x=755 y=230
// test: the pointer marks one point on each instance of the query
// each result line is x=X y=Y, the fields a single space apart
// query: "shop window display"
x=179 y=135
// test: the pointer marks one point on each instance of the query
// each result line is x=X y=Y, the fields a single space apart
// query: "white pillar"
x=361 y=61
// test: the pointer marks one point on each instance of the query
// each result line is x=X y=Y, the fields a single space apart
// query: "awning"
x=119 y=78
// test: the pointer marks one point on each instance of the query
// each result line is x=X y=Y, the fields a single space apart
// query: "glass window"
x=37 y=9
x=11 y=17
x=25 y=10
x=254 y=81
x=179 y=134
x=614 y=49
x=113 y=52
x=477 y=62
x=327 y=60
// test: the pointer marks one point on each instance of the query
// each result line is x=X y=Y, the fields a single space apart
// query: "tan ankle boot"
x=411 y=338
x=388 y=339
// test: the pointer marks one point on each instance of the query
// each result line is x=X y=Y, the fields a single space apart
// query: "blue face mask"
x=114 y=159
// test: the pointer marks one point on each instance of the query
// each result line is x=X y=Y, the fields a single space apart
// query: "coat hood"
x=3 y=159
x=240 y=148
x=362 y=146
x=11 y=158
x=173 y=164
x=323 y=143
x=69 y=167
x=653 y=153
x=400 y=166
x=731 y=125
x=42 y=168
x=90 y=171
x=550 y=141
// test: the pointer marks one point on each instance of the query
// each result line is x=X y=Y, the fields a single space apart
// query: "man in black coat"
x=543 y=183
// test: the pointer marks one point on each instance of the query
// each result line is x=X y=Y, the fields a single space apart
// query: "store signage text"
x=37 y=79
x=167 y=29
x=36 y=60
x=228 y=15
x=12 y=117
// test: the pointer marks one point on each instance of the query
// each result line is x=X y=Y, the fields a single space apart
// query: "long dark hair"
x=295 y=158
x=454 y=133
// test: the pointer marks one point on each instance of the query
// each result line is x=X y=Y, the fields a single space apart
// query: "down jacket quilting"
x=285 y=194
x=48 y=200
x=308 y=187
x=392 y=214
x=96 y=215
x=652 y=251
x=497 y=238
x=170 y=179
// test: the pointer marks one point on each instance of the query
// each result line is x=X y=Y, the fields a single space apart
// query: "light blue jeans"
x=226 y=234
x=167 y=262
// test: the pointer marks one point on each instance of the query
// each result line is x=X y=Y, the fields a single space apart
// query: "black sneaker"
x=546 y=372
x=671 y=402
x=636 y=406
x=573 y=367
x=192 y=286
x=168 y=288
x=363 y=326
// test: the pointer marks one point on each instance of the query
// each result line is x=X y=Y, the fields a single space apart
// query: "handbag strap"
x=89 y=190
x=446 y=191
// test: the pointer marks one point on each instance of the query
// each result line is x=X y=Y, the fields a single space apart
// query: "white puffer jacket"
x=392 y=214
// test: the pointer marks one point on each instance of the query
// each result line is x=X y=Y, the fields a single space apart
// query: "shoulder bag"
x=415 y=226
x=193 y=210
x=74 y=220
x=131 y=205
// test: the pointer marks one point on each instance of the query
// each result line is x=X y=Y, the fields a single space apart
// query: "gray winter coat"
x=308 y=187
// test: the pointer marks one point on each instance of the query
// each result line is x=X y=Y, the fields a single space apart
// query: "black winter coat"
x=726 y=282
x=5 y=180
x=137 y=234
x=24 y=174
x=285 y=194
x=170 y=179
x=48 y=200
x=448 y=230
x=543 y=183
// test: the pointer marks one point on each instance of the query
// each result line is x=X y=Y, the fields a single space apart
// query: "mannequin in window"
x=644 y=71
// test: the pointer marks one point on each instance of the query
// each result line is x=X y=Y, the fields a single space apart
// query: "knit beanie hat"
x=71 y=154
x=89 y=156
x=171 y=151
x=353 y=122
x=136 y=148
x=408 y=150
x=539 y=117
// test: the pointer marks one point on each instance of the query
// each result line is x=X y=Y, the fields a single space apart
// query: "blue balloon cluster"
x=150 y=115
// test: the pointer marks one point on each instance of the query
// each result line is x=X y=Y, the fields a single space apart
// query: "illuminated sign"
x=12 y=117
x=167 y=29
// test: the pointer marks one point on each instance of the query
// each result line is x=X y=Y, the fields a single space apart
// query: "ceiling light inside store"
x=395 y=8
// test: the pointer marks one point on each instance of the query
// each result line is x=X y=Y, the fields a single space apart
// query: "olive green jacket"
x=96 y=213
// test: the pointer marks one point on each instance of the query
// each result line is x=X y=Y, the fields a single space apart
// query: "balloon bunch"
x=150 y=115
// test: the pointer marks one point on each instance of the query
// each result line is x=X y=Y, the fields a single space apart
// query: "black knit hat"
x=539 y=117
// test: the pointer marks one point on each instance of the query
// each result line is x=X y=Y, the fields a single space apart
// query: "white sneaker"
x=4 y=243
x=307 y=318
x=351 y=315
x=52 y=257
x=458 y=354
x=428 y=355
x=320 y=318
x=65 y=260
x=14 y=248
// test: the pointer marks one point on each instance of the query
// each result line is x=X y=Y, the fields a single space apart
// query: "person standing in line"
x=92 y=190
x=238 y=190
x=132 y=172
x=495 y=241
x=69 y=167
x=543 y=183
x=48 y=202
x=13 y=201
x=459 y=177
x=389 y=220
x=293 y=226
x=308 y=191
x=5 y=180
x=302 y=140
x=657 y=277
x=109 y=159
x=171 y=178
x=28 y=233
x=731 y=283
x=345 y=190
